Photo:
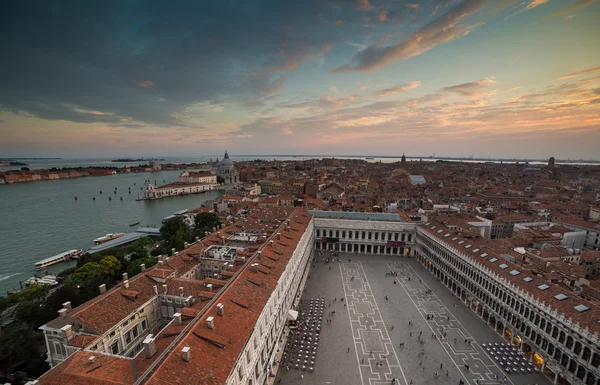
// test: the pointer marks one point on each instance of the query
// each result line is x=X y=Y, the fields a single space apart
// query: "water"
x=42 y=219
x=34 y=164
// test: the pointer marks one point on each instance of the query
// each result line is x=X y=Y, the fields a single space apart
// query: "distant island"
x=125 y=160
x=12 y=163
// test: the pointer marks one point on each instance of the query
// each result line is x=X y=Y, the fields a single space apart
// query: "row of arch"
x=559 y=365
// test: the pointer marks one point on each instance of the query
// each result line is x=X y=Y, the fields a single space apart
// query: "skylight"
x=461 y=242
x=503 y=266
x=467 y=246
x=484 y=255
x=440 y=230
x=475 y=250
x=561 y=297
x=432 y=227
x=527 y=279
x=427 y=224
x=493 y=260
x=515 y=272
x=543 y=287
x=455 y=238
x=447 y=235
x=581 y=308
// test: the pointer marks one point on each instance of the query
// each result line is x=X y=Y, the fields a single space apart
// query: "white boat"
x=108 y=237
x=48 y=280
x=75 y=253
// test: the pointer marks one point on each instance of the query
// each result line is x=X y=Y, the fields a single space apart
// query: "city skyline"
x=501 y=79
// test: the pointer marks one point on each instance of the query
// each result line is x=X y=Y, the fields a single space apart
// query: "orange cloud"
x=442 y=30
x=364 y=5
x=398 y=89
x=148 y=84
x=573 y=7
x=580 y=73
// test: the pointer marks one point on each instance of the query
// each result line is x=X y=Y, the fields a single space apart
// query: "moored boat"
x=62 y=257
x=108 y=237
x=48 y=280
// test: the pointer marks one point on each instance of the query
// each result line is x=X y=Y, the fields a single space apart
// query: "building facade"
x=548 y=325
x=175 y=189
x=198 y=177
x=226 y=170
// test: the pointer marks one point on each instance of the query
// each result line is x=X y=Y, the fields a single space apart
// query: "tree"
x=112 y=266
x=175 y=232
x=34 y=313
x=206 y=222
x=134 y=267
x=33 y=293
x=86 y=279
x=181 y=236
x=18 y=344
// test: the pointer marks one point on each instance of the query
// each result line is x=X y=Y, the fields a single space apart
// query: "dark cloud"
x=130 y=63
x=148 y=61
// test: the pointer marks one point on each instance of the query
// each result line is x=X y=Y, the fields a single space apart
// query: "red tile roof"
x=215 y=352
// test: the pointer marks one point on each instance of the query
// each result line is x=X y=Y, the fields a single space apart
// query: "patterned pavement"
x=370 y=341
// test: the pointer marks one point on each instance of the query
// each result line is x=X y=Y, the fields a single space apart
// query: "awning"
x=292 y=315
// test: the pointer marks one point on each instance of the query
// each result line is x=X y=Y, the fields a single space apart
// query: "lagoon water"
x=42 y=219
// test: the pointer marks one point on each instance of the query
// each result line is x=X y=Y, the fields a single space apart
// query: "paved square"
x=370 y=342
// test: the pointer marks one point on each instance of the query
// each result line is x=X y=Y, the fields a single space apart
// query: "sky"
x=501 y=78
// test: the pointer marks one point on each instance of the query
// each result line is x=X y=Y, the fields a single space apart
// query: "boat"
x=75 y=253
x=134 y=224
x=108 y=237
x=369 y=158
x=49 y=280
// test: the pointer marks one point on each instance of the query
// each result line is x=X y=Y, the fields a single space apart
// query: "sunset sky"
x=501 y=78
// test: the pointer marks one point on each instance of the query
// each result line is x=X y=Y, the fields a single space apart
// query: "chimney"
x=181 y=291
x=186 y=245
x=149 y=345
x=210 y=322
x=160 y=263
x=188 y=301
x=126 y=283
x=254 y=267
x=177 y=318
x=220 y=309
x=186 y=354
x=209 y=287
x=155 y=290
x=278 y=236
x=62 y=313
x=92 y=360
x=164 y=289
x=125 y=277
x=197 y=239
x=68 y=332
x=143 y=267
x=67 y=305
x=102 y=288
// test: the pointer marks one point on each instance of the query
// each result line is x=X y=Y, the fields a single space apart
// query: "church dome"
x=226 y=162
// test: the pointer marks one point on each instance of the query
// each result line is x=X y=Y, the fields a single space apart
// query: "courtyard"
x=390 y=319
